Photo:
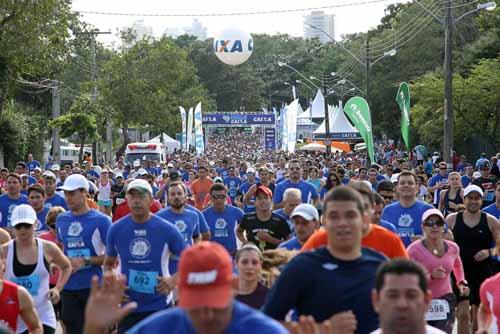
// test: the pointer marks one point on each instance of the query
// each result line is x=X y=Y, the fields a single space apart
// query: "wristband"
x=87 y=262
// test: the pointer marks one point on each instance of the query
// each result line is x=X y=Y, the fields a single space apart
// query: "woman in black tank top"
x=453 y=196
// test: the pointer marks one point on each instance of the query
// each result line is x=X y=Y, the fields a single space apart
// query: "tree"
x=79 y=122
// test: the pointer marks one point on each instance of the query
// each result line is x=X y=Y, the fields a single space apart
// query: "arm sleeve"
x=202 y=223
x=314 y=192
x=399 y=249
x=458 y=268
x=176 y=244
x=484 y=299
x=110 y=244
x=318 y=239
x=196 y=228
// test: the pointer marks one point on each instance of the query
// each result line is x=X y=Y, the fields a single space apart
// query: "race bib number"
x=489 y=196
x=82 y=252
x=30 y=283
x=438 y=310
x=143 y=281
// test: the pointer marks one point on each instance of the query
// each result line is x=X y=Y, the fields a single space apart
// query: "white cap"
x=170 y=165
x=75 y=182
x=37 y=169
x=118 y=174
x=476 y=175
x=306 y=211
x=251 y=170
x=141 y=185
x=142 y=172
x=432 y=212
x=394 y=178
x=49 y=175
x=137 y=163
x=56 y=167
x=473 y=188
x=23 y=214
x=211 y=163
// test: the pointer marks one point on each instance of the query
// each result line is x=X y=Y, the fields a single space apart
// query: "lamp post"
x=448 y=21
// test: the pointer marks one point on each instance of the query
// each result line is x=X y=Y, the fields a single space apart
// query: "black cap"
x=174 y=175
x=485 y=165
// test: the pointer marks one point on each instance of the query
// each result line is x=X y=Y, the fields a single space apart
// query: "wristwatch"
x=87 y=262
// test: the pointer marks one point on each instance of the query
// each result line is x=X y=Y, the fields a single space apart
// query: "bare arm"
x=4 y=236
x=109 y=263
x=450 y=221
x=28 y=312
x=441 y=200
x=240 y=233
x=494 y=225
x=483 y=319
x=57 y=257
x=205 y=236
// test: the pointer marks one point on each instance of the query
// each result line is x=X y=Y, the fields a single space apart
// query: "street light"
x=448 y=22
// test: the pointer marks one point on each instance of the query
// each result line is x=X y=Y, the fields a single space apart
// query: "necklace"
x=435 y=251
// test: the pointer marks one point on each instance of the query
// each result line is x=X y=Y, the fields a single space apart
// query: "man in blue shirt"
x=335 y=281
x=467 y=177
x=144 y=243
x=438 y=182
x=32 y=164
x=11 y=199
x=36 y=199
x=52 y=198
x=494 y=208
x=222 y=219
x=406 y=215
x=206 y=302
x=82 y=232
x=292 y=197
x=232 y=183
x=308 y=191
x=243 y=190
x=305 y=219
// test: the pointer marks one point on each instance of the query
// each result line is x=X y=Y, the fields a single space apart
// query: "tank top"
x=104 y=191
x=457 y=200
x=37 y=284
x=472 y=239
x=9 y=301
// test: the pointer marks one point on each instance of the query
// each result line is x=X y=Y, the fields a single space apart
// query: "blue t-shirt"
x=243 y=189
x=244 y=320
x=222 y=172
x=31 y=165
x=144 y=250
x=465 y=181
x=41 y=219
x=83 y=236
x=389 y=226
x=232 y=183
x=7 y=205
x=93 y=173
x=308 y=191
x=56 y=200
x=428 y=167
x=433 y=181
x=492 y=210
x=292 y=244
x=222 y=226
x=408 y=221
x=316 y=283
x=201 y=218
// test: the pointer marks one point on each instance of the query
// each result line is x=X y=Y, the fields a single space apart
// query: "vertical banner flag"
x=183 y=122
x=358 y=111
x=189 y=129
x=270 y=139
x=291 y=119
x=284 y=131
x=198 y=130
x=403 y=100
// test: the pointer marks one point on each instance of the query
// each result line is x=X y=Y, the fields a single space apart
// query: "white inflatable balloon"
x=233 y=46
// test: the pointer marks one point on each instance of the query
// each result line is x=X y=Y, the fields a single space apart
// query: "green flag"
x=358 y=111
x=403 y=100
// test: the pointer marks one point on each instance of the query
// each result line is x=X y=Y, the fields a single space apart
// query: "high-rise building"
x=197 y=29
x=141 y=30
x=325 y=22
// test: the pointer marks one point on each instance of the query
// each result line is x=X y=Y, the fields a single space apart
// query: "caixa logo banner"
x=238 y=119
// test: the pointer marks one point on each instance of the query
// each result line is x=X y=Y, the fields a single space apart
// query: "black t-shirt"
x=256 y=299
x=276 y=226
x=488 y=186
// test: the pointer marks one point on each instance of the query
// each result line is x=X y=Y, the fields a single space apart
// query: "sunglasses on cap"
x=432 y=222
x=23 y=225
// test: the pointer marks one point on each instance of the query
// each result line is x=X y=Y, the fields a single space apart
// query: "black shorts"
x=131 y=320
x=73 y=309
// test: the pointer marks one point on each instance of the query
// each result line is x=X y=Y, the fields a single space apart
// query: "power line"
x=278 y=11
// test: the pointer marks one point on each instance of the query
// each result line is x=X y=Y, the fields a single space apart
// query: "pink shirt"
x=490 y=298
x=449 y=261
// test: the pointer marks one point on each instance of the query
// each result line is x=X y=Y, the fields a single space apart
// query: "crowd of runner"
x=242 y=240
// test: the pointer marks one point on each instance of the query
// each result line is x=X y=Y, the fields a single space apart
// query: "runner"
x=82 y=232
x=247 y=203
x=452 y=197
x=306 y=282
x=474 y=232
x=401 y=298
x=263 y=227
x=494 y=208
x=487 y=183
x=222 y=219
x=143 y=243
x=51 y=197
x=308 y=191
x=206 y=302
x=11 y=199
x=440 y=257
x=104 y=195
x=232 y=183
x=36 y=198
x=201 y=187
x=488 y=316
x=438 y=182
x=291 y=199
x=305 y=220
x=28 y=260
x=249 y=265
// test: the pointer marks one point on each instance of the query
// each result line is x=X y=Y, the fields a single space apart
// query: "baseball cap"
x=211 y=163
x=118 y=174
x=56 y=167
x=170 y=165
x=137 y=163
x=142 y=172
x=205 y=276
x=265 y=190
x=472 y=188
x=306 y=211
x=23 y=214
x=250 y=170
x=218 y=179
x=37 y=169
x=49 y=175
x=485 y=165
x=75 y=182
x=174 y=175
x=141 y=185
x=432 y=212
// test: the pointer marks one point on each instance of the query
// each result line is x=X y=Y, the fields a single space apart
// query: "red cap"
x=265 y=190
x=205 y=276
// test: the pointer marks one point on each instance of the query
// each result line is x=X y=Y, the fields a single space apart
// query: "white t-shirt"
x=428 y=330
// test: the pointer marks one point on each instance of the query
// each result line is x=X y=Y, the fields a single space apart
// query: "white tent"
x=340 y=128
x=170 y=143
x=305 y=115
x=318 y=106
x=318 y=147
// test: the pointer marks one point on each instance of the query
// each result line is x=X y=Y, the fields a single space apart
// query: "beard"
x=177 y=204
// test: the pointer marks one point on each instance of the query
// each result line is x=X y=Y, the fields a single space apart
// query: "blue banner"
x=238 y=119
x=270 y=139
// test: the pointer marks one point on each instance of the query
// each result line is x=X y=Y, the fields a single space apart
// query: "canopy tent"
x=340 y=128
x=317 y=146
x=305 y=115
x=170 y=143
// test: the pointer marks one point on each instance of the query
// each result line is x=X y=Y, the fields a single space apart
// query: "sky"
x=349 y=19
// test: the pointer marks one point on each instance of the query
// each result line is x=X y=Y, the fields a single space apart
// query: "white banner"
x=284 y=133
x=189 y=135
x=198 y=130
x=183 y=121
x=291 y=120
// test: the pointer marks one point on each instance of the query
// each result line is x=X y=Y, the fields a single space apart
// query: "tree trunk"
x=126 y=140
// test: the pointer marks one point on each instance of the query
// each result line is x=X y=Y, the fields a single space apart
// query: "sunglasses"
x=387 y=197
x=431 y=223
x=219 y=197
x=23 y=225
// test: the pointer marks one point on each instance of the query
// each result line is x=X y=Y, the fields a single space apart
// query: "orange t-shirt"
x=200 y=189
x=379 y=239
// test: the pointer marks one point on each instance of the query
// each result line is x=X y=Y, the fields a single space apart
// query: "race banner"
x=291 y=119
x=284 y=129
x=198 y=130
x=239 y=119
x=358 y=111
x=189 y=135
x=270 y=139
x=183 y=122
x=403 y=100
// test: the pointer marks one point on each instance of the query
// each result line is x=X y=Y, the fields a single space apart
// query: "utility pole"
x=56 y=111
x=327 y=117
x=367 y=68
x=448 y=70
